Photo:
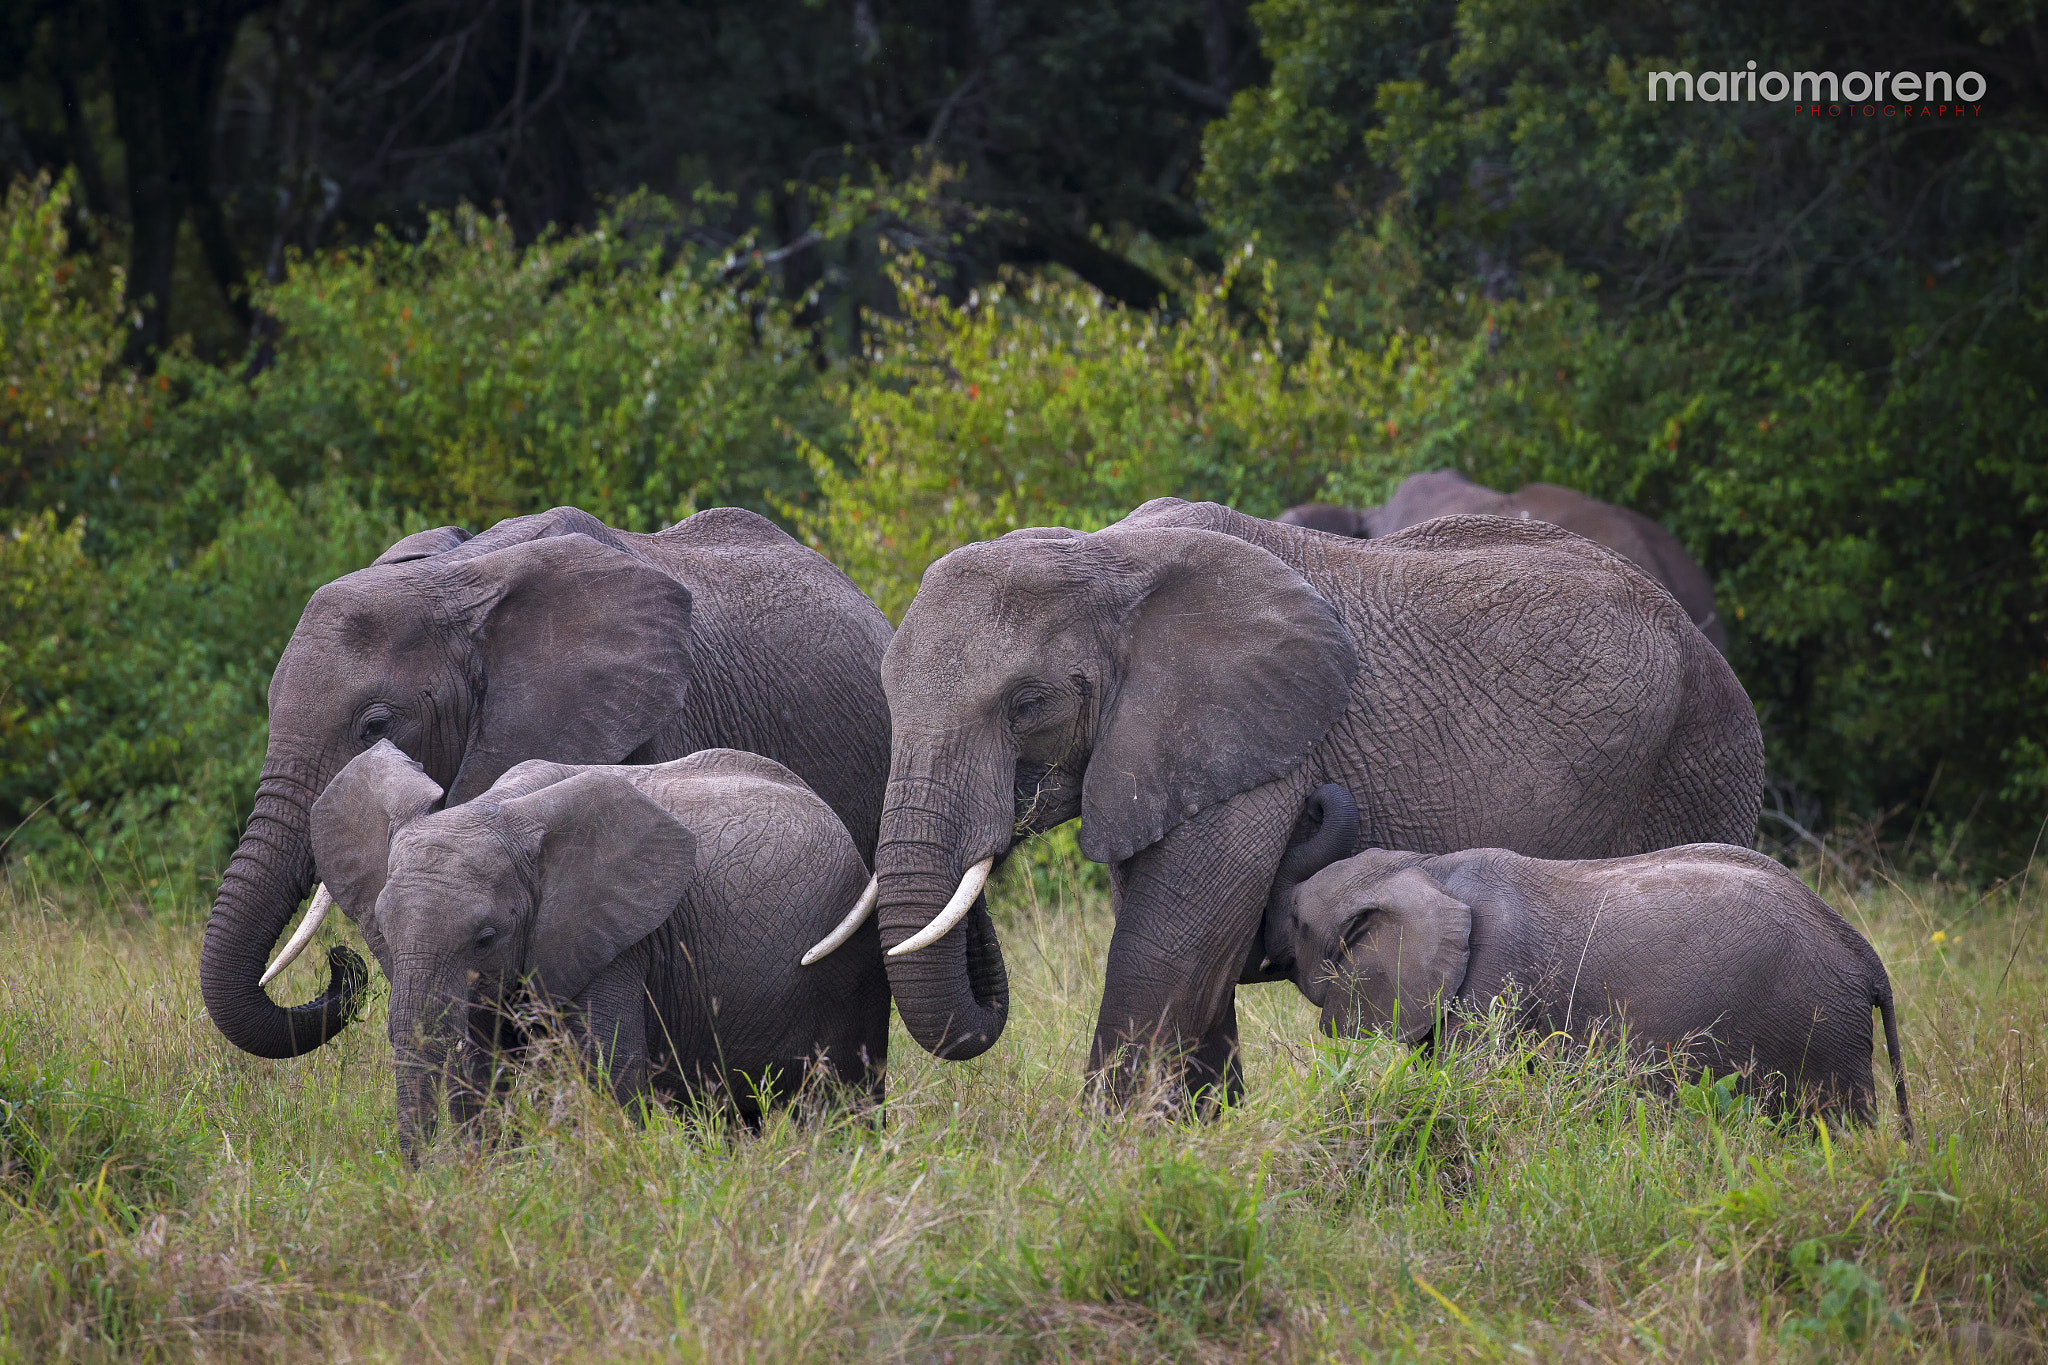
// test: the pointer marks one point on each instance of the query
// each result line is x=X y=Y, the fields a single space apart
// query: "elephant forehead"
x=466 y=847
x=1015 y=597
x=371 y=610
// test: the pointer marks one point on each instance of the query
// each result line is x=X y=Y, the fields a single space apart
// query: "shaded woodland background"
x=284 y=281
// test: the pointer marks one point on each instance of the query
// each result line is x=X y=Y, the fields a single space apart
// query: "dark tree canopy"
x=268 y=124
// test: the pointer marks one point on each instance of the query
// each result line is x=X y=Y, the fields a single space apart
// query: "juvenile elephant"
x=1446 y=492
x=663 y=907
x=1715 y=952
x=554 y=637
x=1184 y=679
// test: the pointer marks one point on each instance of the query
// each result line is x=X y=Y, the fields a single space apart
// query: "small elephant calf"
x=664 y=908
x=1711 y=948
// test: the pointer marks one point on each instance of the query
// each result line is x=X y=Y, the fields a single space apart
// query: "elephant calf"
x=662 y=907
x=1708 y=948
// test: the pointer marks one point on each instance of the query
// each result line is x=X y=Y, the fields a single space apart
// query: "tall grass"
x=1489 y=1202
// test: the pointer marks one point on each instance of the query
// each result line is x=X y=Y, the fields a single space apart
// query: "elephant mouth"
x=1046 y=796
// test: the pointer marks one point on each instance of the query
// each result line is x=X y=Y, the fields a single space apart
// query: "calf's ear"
x=380 y=792
x=613 y=866
x=1391 y=959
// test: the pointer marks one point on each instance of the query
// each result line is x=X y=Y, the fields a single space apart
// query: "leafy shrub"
x=1037 y=402
x=133 y=691
x=468 y=379
x=60 y=332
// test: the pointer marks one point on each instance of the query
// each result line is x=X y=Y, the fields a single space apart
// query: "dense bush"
x=469 y=379
x=1039 y=403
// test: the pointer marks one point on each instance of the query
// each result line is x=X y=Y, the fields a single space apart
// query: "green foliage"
x=1037 y=403
x=468 y=379
x=60 y=330
x=1848 y=1301
x=132 y=691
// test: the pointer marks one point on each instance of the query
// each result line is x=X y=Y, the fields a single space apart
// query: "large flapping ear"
x=613 y=866
x=379 y=793
x=585 y=654
x=1231 y=669
x=1399 y=951
x=423 y=545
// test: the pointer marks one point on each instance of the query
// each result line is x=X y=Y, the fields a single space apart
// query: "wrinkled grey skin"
x=1183 y=680
x=662 y=908
x=556 y=637
x=1716 y=951
x=1446 y=492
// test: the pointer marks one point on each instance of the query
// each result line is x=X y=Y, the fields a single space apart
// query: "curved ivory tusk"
x=862 y=908
x=955 y=911
x=317 y=911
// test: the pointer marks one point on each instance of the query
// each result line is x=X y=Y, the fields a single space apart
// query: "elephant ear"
x=380 y=792
x=613 y=866
x=1396 y=951
x=423 y=545
x=1230 y=669
x=584 y=655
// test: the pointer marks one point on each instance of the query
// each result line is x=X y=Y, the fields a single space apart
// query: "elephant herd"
x=646 y=777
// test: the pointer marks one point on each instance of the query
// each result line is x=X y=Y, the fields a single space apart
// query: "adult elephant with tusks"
x=1183 y=680
x=552 y=637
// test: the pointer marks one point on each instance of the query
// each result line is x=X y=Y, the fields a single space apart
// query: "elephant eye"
x=1025 y=707
x=486 y=936
x=375 y=724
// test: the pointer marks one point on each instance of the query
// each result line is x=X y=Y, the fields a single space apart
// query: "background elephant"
x=1446 y=492
x=662 y=907
x=1182 y=680
x=554 y=637
x=1716 y=952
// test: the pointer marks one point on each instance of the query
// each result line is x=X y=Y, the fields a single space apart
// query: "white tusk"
x=317 y=911
x=955 y=911
x=862 y=908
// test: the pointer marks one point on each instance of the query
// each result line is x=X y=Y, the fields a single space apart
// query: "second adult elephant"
x=546 y=637
x=1182 y=681
x=1446 y=493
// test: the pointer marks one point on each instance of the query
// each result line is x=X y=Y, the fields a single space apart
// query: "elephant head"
x=544 y=637
x=1379 y=942
x=1133 y=677
x=463 y=904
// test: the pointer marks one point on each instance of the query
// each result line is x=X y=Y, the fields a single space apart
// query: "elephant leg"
x=1187 y=909
x=611 y=1030
x=1215 y=1071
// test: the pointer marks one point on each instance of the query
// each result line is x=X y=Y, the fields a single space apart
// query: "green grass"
x=1498 y=1203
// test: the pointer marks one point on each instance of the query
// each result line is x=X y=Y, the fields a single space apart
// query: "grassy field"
x=170 y=1197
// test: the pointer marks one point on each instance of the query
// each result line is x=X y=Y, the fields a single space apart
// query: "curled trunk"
x=953 y=995
x=271 y=872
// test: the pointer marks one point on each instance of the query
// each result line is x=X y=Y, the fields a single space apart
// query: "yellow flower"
x=1939 y=937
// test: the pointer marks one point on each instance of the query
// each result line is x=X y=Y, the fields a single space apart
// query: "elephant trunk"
x=270 y=873
x=1334 y=838
x=423 y=1044
x=953 y=994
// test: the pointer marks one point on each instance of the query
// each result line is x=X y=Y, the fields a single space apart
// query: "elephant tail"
x=1882 y=999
